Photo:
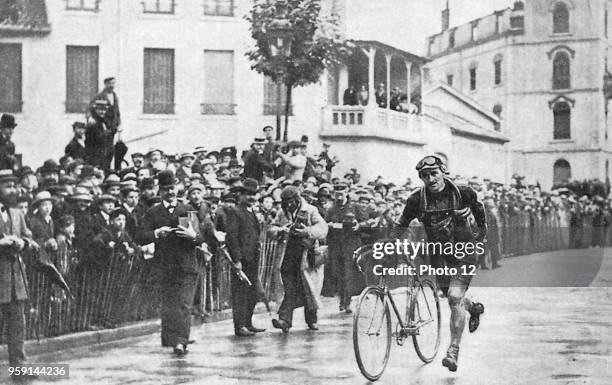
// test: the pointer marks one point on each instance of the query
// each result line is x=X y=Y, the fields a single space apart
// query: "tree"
x=317 y=43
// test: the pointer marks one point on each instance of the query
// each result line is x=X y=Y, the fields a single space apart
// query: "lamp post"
x=280 y=38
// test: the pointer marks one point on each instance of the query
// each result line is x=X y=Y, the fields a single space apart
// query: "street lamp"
x=280 y=38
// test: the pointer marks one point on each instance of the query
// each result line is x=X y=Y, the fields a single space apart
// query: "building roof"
x=23 y=17
x=458 y=124
x=390 y=49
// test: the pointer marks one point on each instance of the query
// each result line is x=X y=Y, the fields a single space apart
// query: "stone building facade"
x=542 y=66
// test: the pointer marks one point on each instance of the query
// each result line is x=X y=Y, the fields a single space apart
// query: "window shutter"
x=158 y=81
x=10 y=77
x=81 y=77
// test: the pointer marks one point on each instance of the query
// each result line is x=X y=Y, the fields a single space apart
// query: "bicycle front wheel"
x=372 y=333
x=425 y=316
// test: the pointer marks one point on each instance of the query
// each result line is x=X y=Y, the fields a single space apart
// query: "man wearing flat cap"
x=7 y=147
x=175 y=257
x=301 y=226
x=76 y=147
x=243 y=234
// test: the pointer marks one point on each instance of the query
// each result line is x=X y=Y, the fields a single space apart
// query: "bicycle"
x=372 y=320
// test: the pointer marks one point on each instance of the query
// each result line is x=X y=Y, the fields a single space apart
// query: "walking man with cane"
x=14 y=238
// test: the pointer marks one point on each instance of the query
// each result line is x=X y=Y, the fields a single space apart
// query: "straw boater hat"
x=42 y=196
x=7 y=176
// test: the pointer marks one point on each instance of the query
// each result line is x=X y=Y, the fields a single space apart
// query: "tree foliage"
x=317 y=42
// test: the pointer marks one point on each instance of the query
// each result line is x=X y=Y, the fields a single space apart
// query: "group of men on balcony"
x=398 y=101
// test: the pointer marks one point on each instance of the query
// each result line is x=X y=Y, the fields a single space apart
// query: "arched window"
x=561 y=71
x=497 y=69
x=562 y=121
x=561 y=18
x=562 y=172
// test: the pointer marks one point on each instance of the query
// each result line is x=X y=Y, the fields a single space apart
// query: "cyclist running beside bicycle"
x=449 y=213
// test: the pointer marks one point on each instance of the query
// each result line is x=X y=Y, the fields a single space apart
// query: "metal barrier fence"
x=125 y=288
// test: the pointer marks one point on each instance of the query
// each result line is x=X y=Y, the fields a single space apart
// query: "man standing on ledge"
x=448 y=212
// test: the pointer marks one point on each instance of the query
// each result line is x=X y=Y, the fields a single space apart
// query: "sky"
x=406 y=23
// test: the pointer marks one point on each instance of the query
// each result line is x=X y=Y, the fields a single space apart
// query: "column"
x=408 y=85
x=371 y=54
x=388 y=59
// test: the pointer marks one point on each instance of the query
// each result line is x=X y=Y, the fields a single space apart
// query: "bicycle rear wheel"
x=425 y=315
x=372 y=333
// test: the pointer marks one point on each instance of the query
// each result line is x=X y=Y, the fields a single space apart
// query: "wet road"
x=528 y=335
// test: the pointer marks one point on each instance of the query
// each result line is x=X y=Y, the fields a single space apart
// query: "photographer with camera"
x=302 y=271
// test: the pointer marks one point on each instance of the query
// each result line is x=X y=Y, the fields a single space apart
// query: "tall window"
x=451 y=39
x=560 y=18
x=81 y=77
x=561 y=71
x=474 y=32
x=562 y=121
x=497 y=68
x=449 y=79
x=158 y=6
x=10 y=77
x=218 y=83
x=83 y=5
x=472 y=78
x=158 y=81
x=562 y=172
x=498 y=22
x=219 y=7
x=270 y=89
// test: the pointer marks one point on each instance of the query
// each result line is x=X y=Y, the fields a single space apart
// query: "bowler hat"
x=78 y=125
x=147 y=183
x=7 y=121
x=25 y=170
x=166 y=179
x=233 y=163
x=49 y=166
x=249 y=186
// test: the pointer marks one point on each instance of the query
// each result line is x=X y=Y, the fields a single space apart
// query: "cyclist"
x=449 y=213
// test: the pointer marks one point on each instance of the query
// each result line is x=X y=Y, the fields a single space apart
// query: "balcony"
x=373 y=123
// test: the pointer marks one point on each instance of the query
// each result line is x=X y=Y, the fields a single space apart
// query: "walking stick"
x=27 y=290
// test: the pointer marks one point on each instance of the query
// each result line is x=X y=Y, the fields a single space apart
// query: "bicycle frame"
x=405 y=324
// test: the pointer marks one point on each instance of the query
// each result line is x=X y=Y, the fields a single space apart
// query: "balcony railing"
x=218 y=7
x=158 y=6
x=83 y=5
x=218 y=109
x=158 y=108
x=270 y=109
x=15 y=19
x=360 y=121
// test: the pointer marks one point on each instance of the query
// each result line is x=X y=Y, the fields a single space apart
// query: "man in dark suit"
x=176 y=259
x=14 y=237
x=76 y=147
x=254 y=163
x=242 y=240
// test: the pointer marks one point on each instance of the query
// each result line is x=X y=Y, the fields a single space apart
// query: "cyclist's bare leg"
x=457 y=301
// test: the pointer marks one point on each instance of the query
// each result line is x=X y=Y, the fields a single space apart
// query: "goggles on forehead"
x=429 y=161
